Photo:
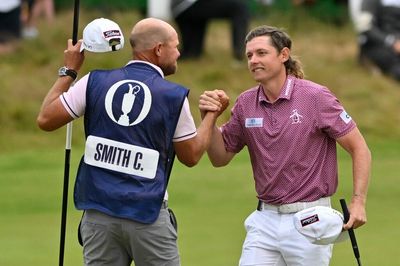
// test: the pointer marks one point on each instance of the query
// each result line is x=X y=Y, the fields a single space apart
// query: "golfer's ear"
x=285 y=54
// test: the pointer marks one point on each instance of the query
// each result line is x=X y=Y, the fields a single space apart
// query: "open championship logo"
x=132 y=89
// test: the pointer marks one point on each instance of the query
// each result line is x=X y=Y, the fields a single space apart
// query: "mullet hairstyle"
x=279 y=39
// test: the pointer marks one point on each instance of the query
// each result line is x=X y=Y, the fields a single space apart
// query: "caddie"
x=135 y=122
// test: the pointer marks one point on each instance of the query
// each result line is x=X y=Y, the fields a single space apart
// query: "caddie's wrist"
x=210 y=117
x=65 y=71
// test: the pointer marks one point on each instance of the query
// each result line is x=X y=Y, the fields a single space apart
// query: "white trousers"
x=272 y=240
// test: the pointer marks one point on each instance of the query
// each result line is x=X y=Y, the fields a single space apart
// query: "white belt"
x=294 y=207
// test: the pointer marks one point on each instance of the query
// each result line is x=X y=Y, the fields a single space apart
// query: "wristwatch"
x=65 y=71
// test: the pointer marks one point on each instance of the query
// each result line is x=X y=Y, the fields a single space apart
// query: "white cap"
x=320 y=225
x=102 y=35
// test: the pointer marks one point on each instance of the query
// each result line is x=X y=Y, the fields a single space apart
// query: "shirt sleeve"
x=333 y=118
x=74 y=100
x=232 y=131
x=186 y=128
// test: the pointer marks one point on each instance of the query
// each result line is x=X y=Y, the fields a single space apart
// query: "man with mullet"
x=135 y=122
x=291 y=127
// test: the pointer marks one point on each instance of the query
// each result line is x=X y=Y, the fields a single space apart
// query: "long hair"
x=280 y=40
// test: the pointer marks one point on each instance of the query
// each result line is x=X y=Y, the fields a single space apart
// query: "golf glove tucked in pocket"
x=172 y=217
x=79 y=231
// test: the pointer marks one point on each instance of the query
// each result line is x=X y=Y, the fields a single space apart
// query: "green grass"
x=211 y=204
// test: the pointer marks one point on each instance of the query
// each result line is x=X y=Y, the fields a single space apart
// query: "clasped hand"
x=213 y=101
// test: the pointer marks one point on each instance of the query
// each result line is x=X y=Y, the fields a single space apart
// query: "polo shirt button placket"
x=274 y=121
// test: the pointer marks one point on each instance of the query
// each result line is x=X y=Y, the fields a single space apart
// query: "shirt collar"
x=147 y=63
x=286 y=91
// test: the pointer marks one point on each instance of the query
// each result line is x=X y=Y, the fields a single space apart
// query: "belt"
x=293 y=207
x=164 y=204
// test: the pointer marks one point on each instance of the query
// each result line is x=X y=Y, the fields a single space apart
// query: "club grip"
x=353 y=240
x=75 y=23
x=346 y=213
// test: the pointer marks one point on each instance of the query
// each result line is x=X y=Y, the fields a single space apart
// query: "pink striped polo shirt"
x=292 y=142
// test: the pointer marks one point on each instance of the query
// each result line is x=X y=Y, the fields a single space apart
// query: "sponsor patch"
x=309 y=220
x=345 y=117
x=254 y=122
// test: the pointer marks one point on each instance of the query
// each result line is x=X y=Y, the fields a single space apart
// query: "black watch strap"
x=65 y=71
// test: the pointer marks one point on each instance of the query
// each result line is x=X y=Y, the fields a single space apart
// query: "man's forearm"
x=217 y=153
x=361 y=174
x=190 y=151
x=49 y=117
x=61 y=85
x=205 y=132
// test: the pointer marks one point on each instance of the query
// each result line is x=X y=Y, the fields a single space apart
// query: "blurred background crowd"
x=18 y=20
x=376 y=22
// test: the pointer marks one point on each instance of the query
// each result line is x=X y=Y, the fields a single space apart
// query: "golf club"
x=353 y=240
x=67 y=152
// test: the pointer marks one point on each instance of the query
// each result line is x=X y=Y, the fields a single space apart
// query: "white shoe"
x=30 y=33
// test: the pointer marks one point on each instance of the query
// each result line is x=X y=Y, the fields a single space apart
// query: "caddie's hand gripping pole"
x=67 y=152
x=353 y=239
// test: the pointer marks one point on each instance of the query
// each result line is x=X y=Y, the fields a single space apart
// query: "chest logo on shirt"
x=296 y=117
x=133 y=94
x=254 y=122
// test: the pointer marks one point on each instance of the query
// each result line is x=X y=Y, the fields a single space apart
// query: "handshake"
x=213 y=101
